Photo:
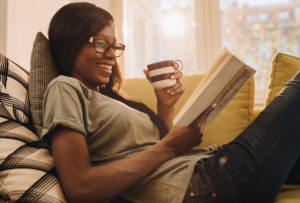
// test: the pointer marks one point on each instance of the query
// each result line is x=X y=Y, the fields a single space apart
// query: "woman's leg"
x=294 y=175
x=256 y=164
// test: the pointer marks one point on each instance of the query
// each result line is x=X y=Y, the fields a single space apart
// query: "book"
x=223 y=80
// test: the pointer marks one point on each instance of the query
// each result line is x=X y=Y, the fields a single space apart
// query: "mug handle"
x=178 y=64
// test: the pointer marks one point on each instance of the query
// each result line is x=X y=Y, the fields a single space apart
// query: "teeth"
x=109 y=67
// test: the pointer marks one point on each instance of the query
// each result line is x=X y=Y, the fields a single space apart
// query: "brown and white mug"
x=160 y=72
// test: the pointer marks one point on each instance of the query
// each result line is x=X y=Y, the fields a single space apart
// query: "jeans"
x=254 y=166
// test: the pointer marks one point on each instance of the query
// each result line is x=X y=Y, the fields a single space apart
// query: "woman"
x=107 y=148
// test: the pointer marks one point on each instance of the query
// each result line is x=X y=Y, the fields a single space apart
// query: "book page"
x=213 y=72
x=218 y=64
x=220 y=84
x=239 y=80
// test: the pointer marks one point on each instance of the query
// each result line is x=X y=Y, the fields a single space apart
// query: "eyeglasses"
x=102 y=46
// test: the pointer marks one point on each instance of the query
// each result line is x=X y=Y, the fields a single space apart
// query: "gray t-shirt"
x=114 y=131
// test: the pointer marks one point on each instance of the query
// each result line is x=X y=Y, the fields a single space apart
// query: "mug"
x=160 y=72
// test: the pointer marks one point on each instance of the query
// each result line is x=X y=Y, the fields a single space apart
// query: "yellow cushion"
x=235 y=117
x=289 y=194
x=283 y=68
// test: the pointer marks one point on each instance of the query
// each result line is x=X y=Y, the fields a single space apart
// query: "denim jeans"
x=254 y=166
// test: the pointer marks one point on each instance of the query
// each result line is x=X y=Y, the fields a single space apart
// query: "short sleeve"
x=62 y=107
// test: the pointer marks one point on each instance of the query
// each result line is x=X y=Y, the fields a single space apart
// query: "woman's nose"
x=110 y=53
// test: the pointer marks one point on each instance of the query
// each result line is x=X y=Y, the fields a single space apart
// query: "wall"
x=101 y=3
x=3 y=7
x=24 y=19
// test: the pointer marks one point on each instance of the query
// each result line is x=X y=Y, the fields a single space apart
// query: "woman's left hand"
x=170 y=95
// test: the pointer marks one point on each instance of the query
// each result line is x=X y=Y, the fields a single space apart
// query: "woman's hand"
x=200 y=121
x=166 y=98
x=169 y=96
x=182 y=139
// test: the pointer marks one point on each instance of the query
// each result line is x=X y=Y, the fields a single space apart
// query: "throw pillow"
x=27 y=172
x=233 y=119
x=42 y=71
x=13 y=90
x=283 y=68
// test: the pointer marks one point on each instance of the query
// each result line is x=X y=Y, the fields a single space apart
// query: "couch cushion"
x=42 y=71
x=289 y=194
x=13 y=86
x=283 y=68
x=27 y=172
x=235 y=117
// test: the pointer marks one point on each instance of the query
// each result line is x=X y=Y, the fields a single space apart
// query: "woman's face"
x=92 y=68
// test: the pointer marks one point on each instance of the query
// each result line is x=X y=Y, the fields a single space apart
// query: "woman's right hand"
x=182 y=139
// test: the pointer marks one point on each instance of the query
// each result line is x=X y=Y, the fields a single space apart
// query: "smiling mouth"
x=105 y=66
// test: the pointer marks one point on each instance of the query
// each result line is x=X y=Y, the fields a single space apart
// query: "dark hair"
x=70 y=28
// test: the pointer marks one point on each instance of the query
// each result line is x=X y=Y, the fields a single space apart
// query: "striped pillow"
x=27 y=173
x=13 y=90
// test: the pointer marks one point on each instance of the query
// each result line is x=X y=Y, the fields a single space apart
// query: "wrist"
x=165 y=114
x=163 y=150
x=161 y=104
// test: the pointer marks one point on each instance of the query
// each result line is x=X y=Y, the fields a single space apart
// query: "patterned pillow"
x=13 y=90
x=27 y=173
x=42 y=71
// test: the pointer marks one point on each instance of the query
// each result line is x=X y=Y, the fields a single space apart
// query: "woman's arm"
x=83 y=182
x=165 y=113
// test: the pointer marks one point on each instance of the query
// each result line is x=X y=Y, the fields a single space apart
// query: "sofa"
x=27 y=172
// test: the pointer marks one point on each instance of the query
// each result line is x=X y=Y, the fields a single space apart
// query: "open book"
x=223 y=80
